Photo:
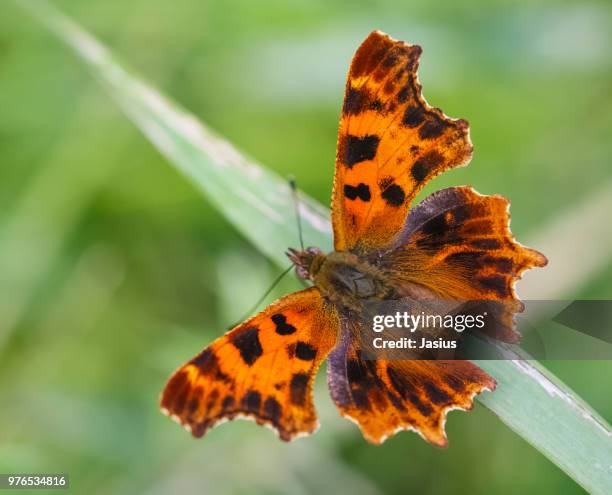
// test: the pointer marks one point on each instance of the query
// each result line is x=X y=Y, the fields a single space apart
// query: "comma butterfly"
x=455 y=244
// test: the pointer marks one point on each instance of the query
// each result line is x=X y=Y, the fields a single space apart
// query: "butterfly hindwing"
x=386 y=396
x=390 y=143
x=458 y=245
x=262 y=369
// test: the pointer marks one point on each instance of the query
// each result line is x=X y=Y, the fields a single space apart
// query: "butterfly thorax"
x=343 y=278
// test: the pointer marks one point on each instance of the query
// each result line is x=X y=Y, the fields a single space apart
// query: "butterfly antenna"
x=296 y=204
x=262 y=298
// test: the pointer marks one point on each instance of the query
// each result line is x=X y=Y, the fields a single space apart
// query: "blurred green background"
x=114 y=270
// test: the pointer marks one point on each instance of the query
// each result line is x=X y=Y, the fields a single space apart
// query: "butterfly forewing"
x=262 y=369
x=390 y=143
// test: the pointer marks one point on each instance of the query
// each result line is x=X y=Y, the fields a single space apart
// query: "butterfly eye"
x=301 y=272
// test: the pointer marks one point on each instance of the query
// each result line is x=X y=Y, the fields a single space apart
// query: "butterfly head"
x=306 y=262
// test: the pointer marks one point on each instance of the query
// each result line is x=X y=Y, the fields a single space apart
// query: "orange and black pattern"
x=455 y=245
x=390 y=144
x=384 y=397
x=262 y=369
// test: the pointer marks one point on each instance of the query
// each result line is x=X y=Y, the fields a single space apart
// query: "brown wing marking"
x=390 y=144
x=457 y=244
x=263 y=369
x=384 y=397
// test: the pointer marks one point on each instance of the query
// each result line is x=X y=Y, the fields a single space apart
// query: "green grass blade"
x=244 y=191
x=529 y=399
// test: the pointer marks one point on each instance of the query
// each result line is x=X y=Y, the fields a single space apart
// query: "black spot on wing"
x=247 y=342
x=461 y=213
x=298 y=388
x=501 y=264
x=359 y=149
x=207 y=364
x=424 y=409
x=355 y=372
x=376 y=105
x=272 y=409
x=282 y=327
x=495 y=283
x=413 y=58
x=360 y=398
x=193 y=405
x=394 y=195
x=424 y=165
x=404 y=93
x=206 y=361
x=391 y=59
x=305 y=351
x=437 y=395
x=227 y=403
x=180 y=400
x=398 y=382
x=486 y=243
x=361 y=191
x=355 y=101
x=251 y=401
x=435 y=227
x=432 y=128
x=419 y=171
x=396 y=401
x=413 y=116
x=405 y=390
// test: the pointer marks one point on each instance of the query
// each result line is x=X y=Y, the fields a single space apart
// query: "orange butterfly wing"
x=262 y=369
x=390 y=143
x=384 y=397
x=458 y=245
